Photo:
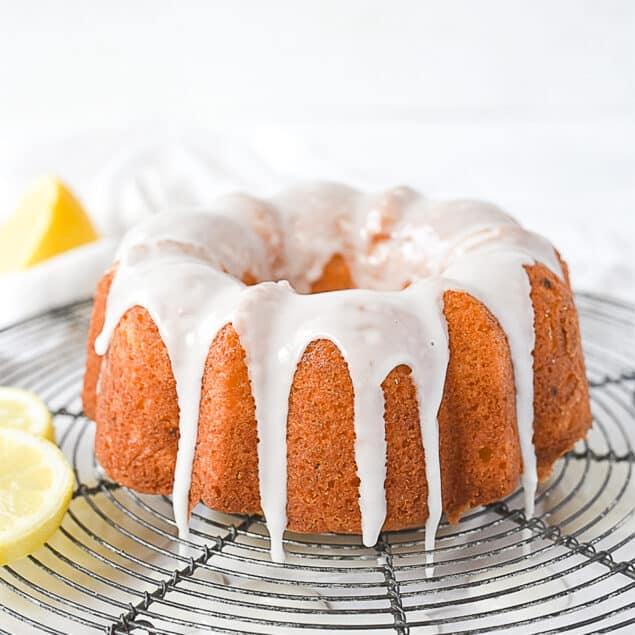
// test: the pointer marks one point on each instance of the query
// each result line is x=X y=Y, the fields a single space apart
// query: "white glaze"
x=185 y=270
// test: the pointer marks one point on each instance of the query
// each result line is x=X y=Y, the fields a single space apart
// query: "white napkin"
x=139 y=179
x=122 y=177
x=60 y=280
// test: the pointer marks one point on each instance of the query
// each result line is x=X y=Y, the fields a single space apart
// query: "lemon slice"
x=36 y=485
x=25 y=411
x=48 y=221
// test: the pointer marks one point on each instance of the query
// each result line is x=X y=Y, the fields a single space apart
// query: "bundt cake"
x=337 y=361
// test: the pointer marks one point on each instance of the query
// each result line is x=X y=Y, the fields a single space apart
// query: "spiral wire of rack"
x=117 y=567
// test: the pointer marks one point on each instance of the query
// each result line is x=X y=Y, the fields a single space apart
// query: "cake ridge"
x=375 y=330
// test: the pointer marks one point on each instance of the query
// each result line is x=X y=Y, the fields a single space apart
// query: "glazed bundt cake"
x=337 y=361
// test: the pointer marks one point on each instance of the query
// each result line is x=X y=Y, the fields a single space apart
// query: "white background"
x=528 y=104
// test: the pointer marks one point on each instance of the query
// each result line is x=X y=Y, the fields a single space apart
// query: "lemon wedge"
x=22 y=410
x=48 y=221
x=36 y=485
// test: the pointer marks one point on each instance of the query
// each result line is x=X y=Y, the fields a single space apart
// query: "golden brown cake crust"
x=93 y=361
x=562 y=409
x=225 y=472
x=137 y=414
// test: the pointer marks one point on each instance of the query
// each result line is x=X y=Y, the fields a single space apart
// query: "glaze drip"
x=186 y=270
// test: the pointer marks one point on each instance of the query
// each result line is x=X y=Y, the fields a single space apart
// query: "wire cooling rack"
x=115 y=565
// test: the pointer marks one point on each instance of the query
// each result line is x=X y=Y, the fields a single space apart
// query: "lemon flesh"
x=23 y=410
x=36 y=485
x=48 y=221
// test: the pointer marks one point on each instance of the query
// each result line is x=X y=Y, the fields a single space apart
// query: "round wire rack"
x=116 y=565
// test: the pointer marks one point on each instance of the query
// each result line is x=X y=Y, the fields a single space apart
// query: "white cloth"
x=60 y=280
x=588 y=213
